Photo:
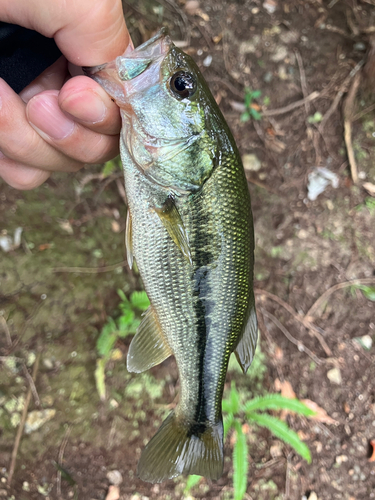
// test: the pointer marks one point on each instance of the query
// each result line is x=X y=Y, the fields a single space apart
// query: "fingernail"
x=85 y=106
x=44 y=114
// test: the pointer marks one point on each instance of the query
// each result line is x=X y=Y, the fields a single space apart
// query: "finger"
x=21 y=143
x=87 y=102
x=88 y=32
x=72 y=139
x=21 y=176
x=51 y=78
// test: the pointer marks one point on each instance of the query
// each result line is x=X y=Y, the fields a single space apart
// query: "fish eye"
x=183 y=84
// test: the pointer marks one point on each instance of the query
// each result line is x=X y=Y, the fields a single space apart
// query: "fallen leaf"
x=246 y=428
x=66 y=226
x=372 y=458
x=285 y=388
x=115 y=226
x=320 y=414
x=44 y=246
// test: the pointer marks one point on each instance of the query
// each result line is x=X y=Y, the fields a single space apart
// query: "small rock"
x=36 y=419
x=114 y=477
x=268 y=77
x=334 y=376
x=207 y=61
x=313 y=496
x=251 y=162
x=191 y=7
x=270 y=6
x=365 y=342
x=280 y=54
x=341 y=458
x=249 y=46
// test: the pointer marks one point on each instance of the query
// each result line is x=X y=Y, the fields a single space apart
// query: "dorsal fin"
x=149 y=346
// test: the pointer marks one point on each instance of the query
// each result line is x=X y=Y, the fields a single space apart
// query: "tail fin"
x=175 y=450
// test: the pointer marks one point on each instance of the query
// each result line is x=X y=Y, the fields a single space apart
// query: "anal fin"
x=149 y=346
x=171 y=219
x=246 y=347
x=128 y=239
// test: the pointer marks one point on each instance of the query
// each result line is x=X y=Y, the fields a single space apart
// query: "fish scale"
x=190 y=231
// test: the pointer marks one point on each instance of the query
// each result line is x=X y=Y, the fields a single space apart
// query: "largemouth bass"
x=190 y=230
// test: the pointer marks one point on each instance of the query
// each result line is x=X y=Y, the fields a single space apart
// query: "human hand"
x=59 y=123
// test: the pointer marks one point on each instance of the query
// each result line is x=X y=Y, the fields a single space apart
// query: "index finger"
x=88 y=32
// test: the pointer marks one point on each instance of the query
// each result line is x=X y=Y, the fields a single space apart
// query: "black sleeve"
x=24 y=54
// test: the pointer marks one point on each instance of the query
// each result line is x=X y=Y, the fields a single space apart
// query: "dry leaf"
x=44 y=246
x=285 y=388
x=66 y=226
x=115 y=226
x=320 y=414
x=372 y=458
x=275 y=145
x=370 y=188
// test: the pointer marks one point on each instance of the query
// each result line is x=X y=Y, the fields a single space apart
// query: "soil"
x=59 y=287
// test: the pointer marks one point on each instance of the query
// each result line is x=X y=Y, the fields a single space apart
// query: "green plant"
x=368 y=291
x=236 y=414
x=251 y=108
x=126 y=324
x=315 y=118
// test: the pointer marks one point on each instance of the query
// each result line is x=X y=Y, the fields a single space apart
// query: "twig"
x=22 y=422
x=303 y=81
x=290 y=107
x=60 y=459
x=121 y=191
x=348 y=112
x=32 y=384
x=264 y=331
x=262 y=185
x=363 y=112
x=6 y=330
x=301 y=347
x=89 y=270
x=339 y=95
x=364 y=281
x=301 y=319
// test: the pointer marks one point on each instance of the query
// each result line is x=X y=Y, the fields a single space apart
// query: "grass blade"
x=240 y=463
x=278 y=402
x=282 y=431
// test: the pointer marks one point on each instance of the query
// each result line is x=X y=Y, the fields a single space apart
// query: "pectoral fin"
x=149 y=346
x=246 y=347
x=172 y=222
x=128 y=239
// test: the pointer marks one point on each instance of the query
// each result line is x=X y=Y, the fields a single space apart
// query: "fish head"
x=172 y=128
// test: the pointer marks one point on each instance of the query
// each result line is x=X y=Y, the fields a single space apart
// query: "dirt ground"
x=317 y=326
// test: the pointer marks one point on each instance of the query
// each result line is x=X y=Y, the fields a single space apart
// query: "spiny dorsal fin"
x=172 y=222
x=128 y=239
x=246 y=347
x=175 y=450
x=149 y=346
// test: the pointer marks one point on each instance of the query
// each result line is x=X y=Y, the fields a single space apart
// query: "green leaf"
x=122 y=296
x=256 y=94
x=125 y=320
x=240 y=463
x=140 y=300
x=255 y=114
x=282 y=431
x=245 y=117
x=109 y=167
x=266 y=100
x=368 y=292
x=231 y=405
x=100 y=377
x=192 y=481
x=64 y=473
x=228 y=423
x=278 y=402
x=107 y=338
x=316 y=118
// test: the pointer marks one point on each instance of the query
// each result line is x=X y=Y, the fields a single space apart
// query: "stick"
x=60 y=459
x=364 y=281
x=6 y=330
x=301 y=347
x=22 y=423
x=348 y=116
x=303 y=81
x=290 y=107
x=303 y=320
